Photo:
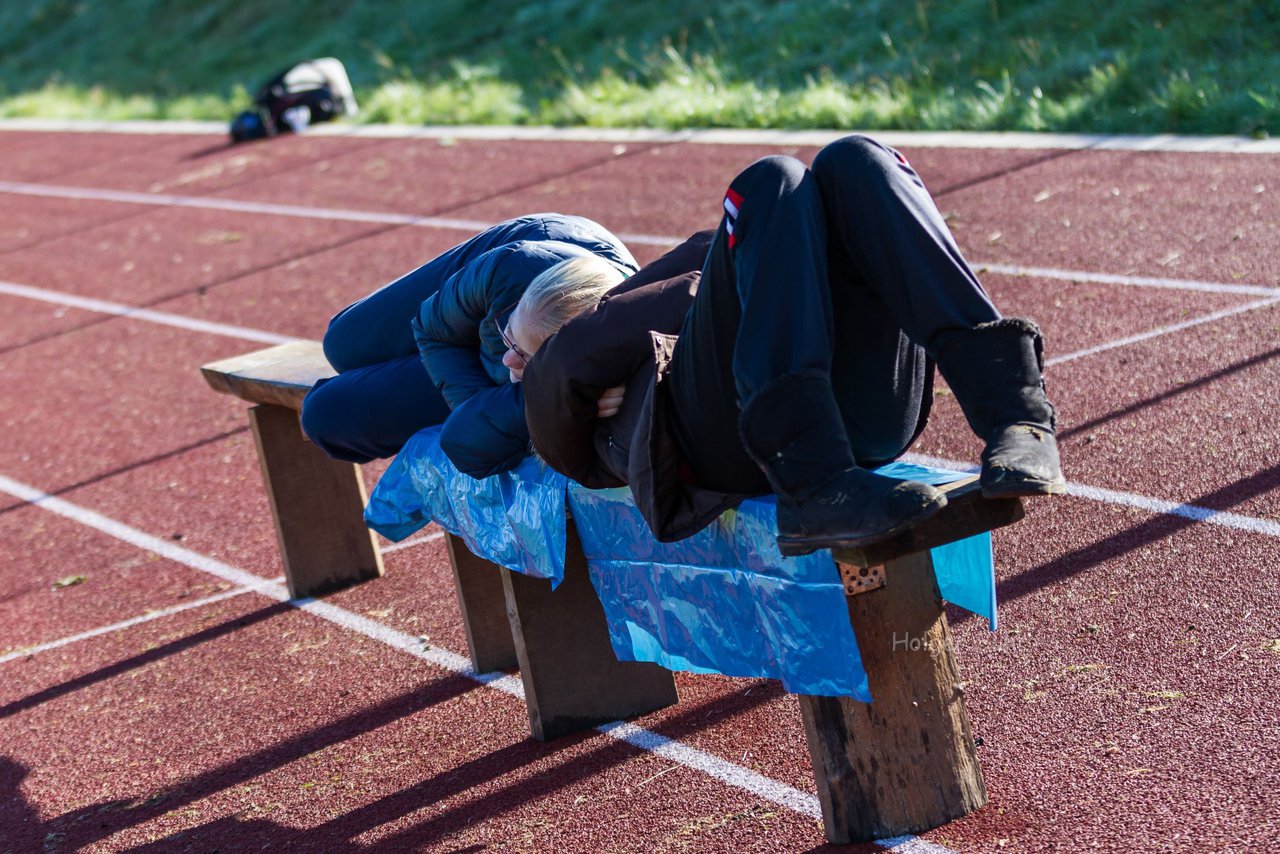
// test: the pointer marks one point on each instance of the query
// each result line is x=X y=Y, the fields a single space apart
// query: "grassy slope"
x=1090 y=65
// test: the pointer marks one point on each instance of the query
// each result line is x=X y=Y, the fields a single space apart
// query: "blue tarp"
x=515 y=519
x=722 y=601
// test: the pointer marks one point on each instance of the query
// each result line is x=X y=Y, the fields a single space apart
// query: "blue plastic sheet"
x=515 y=519
x=723 y=601
x=965 y=569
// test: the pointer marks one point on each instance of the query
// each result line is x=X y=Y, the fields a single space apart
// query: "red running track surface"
x=1127 y=702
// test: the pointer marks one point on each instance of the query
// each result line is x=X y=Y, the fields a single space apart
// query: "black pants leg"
x=844 y=272
x=763 y=312
x=888 y=239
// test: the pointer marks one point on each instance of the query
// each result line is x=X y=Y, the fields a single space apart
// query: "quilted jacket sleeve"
x=486 y=434
x=447 y=328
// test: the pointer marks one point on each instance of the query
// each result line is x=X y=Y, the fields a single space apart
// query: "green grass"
x=1136 y=66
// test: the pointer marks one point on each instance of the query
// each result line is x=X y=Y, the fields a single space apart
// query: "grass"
x=1140 y=66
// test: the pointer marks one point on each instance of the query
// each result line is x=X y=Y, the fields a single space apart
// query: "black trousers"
x=846 y=270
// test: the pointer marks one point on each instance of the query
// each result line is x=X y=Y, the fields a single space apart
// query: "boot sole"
x=1025 y=488
x=798 y=546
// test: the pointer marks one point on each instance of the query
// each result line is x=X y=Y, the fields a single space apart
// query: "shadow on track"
x=113 y=817
x=476 y=774
x=128 y=467
x=1131 y=539
x=142 y=659
x=1200 y=382
x=92 y=824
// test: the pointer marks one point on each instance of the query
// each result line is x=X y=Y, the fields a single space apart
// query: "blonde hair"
x=560 y=293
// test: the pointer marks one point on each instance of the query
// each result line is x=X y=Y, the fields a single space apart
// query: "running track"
x=175 y=700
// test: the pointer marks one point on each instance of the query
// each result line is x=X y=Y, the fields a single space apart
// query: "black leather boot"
x=794 y=431
x=995 y=370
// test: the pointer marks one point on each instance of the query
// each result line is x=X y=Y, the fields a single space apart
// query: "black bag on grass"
x=317 y=90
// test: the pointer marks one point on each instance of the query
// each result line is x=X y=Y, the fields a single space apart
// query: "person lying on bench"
x=804 y=358
x=427 y=348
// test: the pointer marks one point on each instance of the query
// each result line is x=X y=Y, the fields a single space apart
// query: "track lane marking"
x=1162 y=330
x=249 y=334
x=1011 y=140
x=385 y=218
x=1119 y=498
x=721 y=769
x=404 y=544
x=1159 y=506
x=163 y=318
x=1131 y=281
x=34 y=649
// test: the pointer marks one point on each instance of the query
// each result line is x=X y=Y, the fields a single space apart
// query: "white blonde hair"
x=560 y=293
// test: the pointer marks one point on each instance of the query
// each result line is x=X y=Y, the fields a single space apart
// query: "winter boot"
x=995 y=371
x=794 y=431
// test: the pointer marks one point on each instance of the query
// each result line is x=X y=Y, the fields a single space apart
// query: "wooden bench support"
x=483 y=600
x=572 y=680
x=906 y=762
x=318 y=507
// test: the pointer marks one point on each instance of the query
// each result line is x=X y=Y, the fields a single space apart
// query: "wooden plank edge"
x=967 y=513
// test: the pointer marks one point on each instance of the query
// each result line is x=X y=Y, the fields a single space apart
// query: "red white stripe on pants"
x=732 y=202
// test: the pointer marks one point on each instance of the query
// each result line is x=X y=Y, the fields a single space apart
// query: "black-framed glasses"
x=511 y=344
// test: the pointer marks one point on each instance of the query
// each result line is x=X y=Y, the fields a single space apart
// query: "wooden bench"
x=903 y=764
x=560 y=642
x=317 y=503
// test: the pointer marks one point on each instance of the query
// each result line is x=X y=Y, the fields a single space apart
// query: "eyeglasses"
x=511 y=344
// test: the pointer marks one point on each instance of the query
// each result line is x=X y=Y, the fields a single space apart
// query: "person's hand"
x=611 y=401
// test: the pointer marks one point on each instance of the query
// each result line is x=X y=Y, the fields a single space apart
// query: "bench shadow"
x=483 y=770
x=1146 y=403
x=22 y=828
x=142 y=659
x=91 y=824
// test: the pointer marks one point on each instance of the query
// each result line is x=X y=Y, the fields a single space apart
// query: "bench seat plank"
x=967 y=513
x=280 y=375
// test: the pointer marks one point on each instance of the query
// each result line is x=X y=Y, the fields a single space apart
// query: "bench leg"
x=906 y=762
x=318 y=507
x=572 y=679
x=484 y=608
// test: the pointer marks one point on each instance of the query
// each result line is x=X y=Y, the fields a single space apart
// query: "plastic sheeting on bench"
x=723 y=601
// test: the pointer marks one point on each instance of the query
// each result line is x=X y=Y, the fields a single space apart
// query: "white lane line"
x=427 y=538
x=735 y=775
x=24 y=652
x=344 y=215
x=162 y=317
x=1163 y=330
x=913 y=845
x=271 y=209
x=267 y=587
x=1135 y=281
x=236 y=206
x=717 y=136
x=728 y=772
x=1160 y=506
x=249 y=334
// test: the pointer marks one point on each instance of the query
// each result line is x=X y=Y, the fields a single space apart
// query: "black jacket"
x=626 y=338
